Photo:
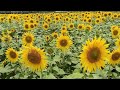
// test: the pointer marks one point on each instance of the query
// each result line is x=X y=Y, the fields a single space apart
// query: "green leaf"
x=57 y=58
x=5 y=69
x=56 y=68
x=61 y=71
x=50 y=76
x=74 y=76
x=117 y=68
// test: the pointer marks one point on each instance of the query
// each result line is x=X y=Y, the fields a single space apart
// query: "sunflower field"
x=60 y=45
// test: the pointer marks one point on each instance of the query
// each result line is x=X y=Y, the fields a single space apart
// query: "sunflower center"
x=89 y=20
x=46 y=26
x=28 y=39
x=48 y=20
x=115 y=32
x=93 y=55
x=63 y=28
x=34 y=57
x=71 y=26
x=55 y=36
x=32 y=26
x=26 y=26
x=31 y=21
x=88 y=28
x=63 y=42
x=80 y=27
x=97 y=21
x=115 y=56
x=12 y=54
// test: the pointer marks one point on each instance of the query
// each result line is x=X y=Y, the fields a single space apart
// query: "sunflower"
x=6 y=38
x=27 y=38
x=115 y=32
x=114 y=57
x=34 y=58
x=93 y=55
x=47 y=38
x=88 y=27
x=26 y=26
x=98 y=21
x=45 y=26
x=71 y=26
x=63 y=43
x=12 y=55
x=64 y=32
x=55 y=34
x=31 y=25
x=64 y=27
x=81 y=26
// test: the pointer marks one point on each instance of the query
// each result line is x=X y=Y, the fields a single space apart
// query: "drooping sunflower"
x=115 y=32
x=12 y=55
x=93 y=55
x=63 y=43
x=34 y=58
x=114 y=57
x=28 y=39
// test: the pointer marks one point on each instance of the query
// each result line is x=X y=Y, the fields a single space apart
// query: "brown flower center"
x=89 y=20
x=63 y=42
x=115 y=32
x=97 y=21
x=46 y=26
x=71 y=26
x=55 y=36
x=13 y=54
x=115 y=56
x=32 y=26
x=88 y=28
x=34 y=57
x=93 y=55
x=28 y=39
x=80 y=27
x=31 y=21
x=26 y=26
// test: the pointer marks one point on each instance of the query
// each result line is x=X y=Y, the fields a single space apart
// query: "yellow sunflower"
x=64 y=43
x=93 y=55
x=115 y=32
x=81 y=26
x=71 y=26
x=47 y=38
x=34 y=58
x=6 y=38
x=64 y=32
x=28 y=39
x=114 y=57
x=12 y=55
x=45 y=26
x=55 y=34
x=88 y=27
x=26 y=26
x=64 y=27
